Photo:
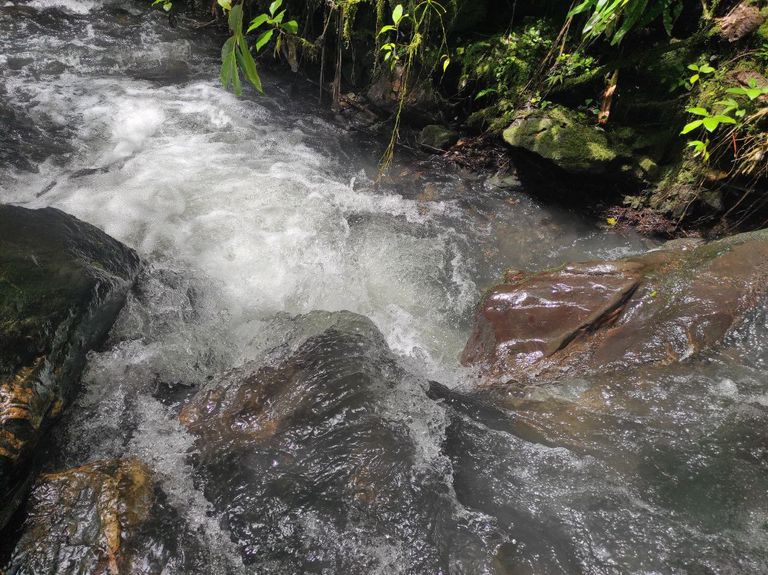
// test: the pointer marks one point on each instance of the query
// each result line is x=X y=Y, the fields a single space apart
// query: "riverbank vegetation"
x=652 y=106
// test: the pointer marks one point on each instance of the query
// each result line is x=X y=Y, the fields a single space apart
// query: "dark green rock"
x=563 y=137
x=62 y=284
x=436 y=137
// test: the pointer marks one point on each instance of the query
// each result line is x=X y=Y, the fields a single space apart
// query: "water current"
x=267 y=243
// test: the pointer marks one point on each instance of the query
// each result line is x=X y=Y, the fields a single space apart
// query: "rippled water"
x=252 y=214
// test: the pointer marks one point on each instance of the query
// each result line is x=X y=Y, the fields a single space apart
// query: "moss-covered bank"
x=595 y=92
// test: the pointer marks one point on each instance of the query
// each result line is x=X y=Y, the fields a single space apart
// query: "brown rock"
x=83 y=520
x=740 y=22
x=312 y=433
x=658 y=308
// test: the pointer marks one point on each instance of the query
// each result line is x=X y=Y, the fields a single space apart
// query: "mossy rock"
x=563 y=137
x=437 y=137
x=62 y=284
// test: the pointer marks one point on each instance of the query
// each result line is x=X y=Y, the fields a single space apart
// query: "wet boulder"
x=655 y=309
x=84 y=520
x=326 y=458
x=62 y=284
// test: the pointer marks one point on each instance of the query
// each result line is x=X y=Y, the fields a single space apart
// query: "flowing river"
x=261 y=228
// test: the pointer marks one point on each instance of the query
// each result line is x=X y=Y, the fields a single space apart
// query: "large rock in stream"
x=327 y=458
x=62 y=284
x=658 y=308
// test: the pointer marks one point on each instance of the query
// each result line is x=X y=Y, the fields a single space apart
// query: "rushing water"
x=252 y=214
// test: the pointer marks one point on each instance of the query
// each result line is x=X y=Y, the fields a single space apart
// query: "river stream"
x=259 y=222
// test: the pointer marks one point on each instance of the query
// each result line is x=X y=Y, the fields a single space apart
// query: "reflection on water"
x=316 y=443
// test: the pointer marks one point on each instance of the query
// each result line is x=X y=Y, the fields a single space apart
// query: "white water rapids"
x=271 y=202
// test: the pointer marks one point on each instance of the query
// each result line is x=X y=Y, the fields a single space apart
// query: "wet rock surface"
x=62 y=284
x=658 y=308
x=84 y=520
x=321 y=462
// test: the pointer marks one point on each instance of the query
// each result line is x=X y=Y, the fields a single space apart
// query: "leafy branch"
x=236 y=55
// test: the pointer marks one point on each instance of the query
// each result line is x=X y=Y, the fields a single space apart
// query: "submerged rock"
x=83 y=520
x=327 y=459
x=657 y=308
x=62 y=284
x=559 y=135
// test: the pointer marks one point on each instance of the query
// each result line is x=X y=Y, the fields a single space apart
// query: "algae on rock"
x=563 y=137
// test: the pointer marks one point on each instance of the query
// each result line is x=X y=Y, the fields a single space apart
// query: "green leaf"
x=724 y=119
x=700 y=148
x=248 y=66
x=693 y=67
x=751 y=93
x=691 y=126
x=256 y=22
x=226 y=5
x=583 y=7
x=292 y=27
x=698 y=112
x=387 y=28
x=397 y=14
x=706 y=69
x=728 y=102
x=279 y=18
x=486 y=92
x=238 y=87
x=446 y=63
x=275 y=6
x=263 y=38
x=671 y=13
x=227 y=61
x=236 y=18
x=711 y=124
x=632 y=15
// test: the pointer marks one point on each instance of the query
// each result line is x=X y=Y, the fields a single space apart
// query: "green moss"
x=649 y=168
x=762 y=31
x=437 y=137
x=562 y=136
